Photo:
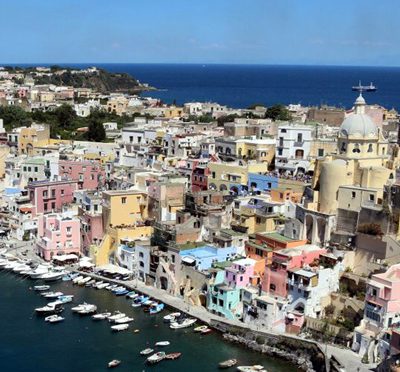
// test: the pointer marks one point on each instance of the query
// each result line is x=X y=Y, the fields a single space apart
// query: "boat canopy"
x=113 y=269
x=65 y=257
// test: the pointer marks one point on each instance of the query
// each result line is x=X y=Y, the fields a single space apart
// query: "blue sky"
x=335 y=32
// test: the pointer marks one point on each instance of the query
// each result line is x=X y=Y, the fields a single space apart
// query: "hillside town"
x=285 y=218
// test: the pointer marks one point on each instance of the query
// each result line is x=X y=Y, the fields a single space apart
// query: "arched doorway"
x=299 y=154
x=309 y=227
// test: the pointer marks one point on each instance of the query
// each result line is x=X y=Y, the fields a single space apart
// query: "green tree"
x=65 y=115
x=96 y=131
x=254 y=105
x=14 y=116
x=278 y=112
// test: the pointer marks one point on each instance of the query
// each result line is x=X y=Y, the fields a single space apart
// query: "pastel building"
x=276 y=274
x=222 y=299
x=88 y=174
x=202 y=258
x=58 y=234
x=262 y=182
x=51 y=196
x=241 y=273
x=382 y=311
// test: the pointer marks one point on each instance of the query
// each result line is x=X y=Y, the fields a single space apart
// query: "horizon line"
x=34 y=64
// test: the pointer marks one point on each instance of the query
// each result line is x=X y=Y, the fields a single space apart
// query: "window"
x=299 y=137
x=62 y=192
x=221 y=303
x=141 y=264
x=123 y=200
x=53 y=193
x=353 y=194
x=280 y=152
x=283 y=131
x=241 y=279
x=371 y=197
x=320 y=152
x=141 y=254
x=45 y=207
x=213 y=174
x=370 y=149
x=272 y=287
x=68 y=229
x=45 y=193
x=36 y=169
x=53 y=205
x=258 y=220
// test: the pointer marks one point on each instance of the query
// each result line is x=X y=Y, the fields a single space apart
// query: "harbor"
x=95 y=343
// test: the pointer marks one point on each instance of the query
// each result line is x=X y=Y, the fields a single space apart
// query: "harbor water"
x=29 y=344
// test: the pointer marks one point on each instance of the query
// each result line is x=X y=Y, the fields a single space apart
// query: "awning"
x=86 y=264
x=189 y=260
x=115 y=269
x=65 y=257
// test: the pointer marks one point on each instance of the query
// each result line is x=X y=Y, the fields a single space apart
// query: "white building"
x=293 y=148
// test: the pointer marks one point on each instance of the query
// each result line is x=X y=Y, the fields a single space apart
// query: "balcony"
x=298 y=144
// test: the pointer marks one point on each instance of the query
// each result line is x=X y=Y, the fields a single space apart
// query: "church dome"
x=359 y=124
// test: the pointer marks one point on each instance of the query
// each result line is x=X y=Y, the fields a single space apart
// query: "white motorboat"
x=120 y=327
x=125 y=319
x=54 y=318
x=21 y=267
x=111 y=287
x=84 y=280
x=49 y=309
x=102 y=285
x=39 y=271
x=77 y=279
x=162 y=343
x=101 y=316
x=65 y=298
x=97 y=283
x=41 y=287
x=202 y=328
x=184 y=324
x=146 y=351
x=90 y=283
x=52 y=294
x=171 y=317
x=52 y=276
x=3 y=263
x=87 y=309
x=78 y=307
x=157 y=357
x=116 y=316
x=255 y=368
x=11 y=265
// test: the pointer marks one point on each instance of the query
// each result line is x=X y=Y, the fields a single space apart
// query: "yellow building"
x=261 y=150
x=251 y=220
x=124 y=215
x=173 y=112
x=35 y=135
x=117 y=105
x=232 y=176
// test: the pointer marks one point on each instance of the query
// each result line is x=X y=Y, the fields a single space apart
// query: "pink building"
x=57 y=235
x=240 y=273
x=88 y=174
x=382 y=310
x=276 y=273
x=50 y=196
x=90 y=215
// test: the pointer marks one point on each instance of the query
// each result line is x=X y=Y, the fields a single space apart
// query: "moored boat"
x=40 y=288
x=137 y=302
x=114 y=363
x=173 y=356
x=52 y=294
x=54 y=318
x=120 y=327
x=49 y=309
x=200 y=328
x=146 y=351
x=101 y=316
x=156 y=308
x=171 y=317
x=184 y=324
x=87 y=309
x=156 y=358
x=115 y=316
x=255 y=368
x=52 y=276
x=227 y=363
x=125 y=319
x=162 y=343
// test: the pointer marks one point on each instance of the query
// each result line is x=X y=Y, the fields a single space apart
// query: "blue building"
x=203 y=257
x=262 y=182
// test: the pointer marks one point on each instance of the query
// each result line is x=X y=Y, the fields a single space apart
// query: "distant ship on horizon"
x=364 y=88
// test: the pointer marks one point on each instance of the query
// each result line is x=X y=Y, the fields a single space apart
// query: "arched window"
x=370 y=149
x=383 y=151
x=356 y=149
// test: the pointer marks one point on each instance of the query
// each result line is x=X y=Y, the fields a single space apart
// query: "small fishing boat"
x=115 y=316
x=162 y=343
x=200 y=328
x=184 y=324
x=255 y=368
x=131 y=293
x=125 y=319
x=156 y=308
x=156 y=358
x=120 y=327
x=206 y=331
x=54 y=319
x=66 y=278
x=84 y=280
x=146 y=351
x=114 y=363
x=101 y=316
x=137 y=302
x=102 y=285
x=171 y=317
x=65 y=298
x=111 y=287
x=41 y=287
x=52 y=294
x=136 y=330
x=77 y=279
x=227 y=363
x=121 y=292
x=90 y=283
x=173 y=356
